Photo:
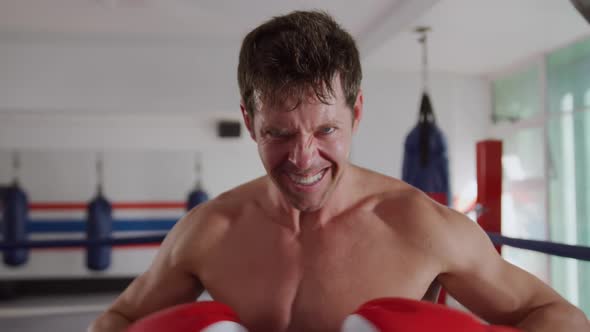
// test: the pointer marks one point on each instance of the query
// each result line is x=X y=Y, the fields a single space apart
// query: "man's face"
x=305 y=150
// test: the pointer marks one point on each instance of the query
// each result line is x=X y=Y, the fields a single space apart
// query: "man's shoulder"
x=226 y=207
x=403 y=200
x=394 y=200
x=387 y=191
x=238 y=198
x=414 y=217
x=206 y=225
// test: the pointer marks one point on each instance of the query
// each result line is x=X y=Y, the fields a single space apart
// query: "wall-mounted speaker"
x=227 y=128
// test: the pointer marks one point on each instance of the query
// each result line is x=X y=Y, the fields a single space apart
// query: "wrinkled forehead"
x=310 y=113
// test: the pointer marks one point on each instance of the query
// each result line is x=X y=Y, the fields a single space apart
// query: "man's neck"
x=339 y=200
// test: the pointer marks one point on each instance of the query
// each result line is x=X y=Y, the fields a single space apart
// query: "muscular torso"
x=280 y=281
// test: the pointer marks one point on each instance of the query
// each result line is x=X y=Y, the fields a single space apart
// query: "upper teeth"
x=306 y=180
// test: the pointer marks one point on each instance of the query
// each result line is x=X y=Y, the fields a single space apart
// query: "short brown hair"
x=291 y=54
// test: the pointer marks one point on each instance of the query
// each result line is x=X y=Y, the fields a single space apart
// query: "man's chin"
x=304 y=202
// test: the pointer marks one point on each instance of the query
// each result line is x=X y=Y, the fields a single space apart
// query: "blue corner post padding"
x=99 y=226
x=195 y=198
x=15 y=206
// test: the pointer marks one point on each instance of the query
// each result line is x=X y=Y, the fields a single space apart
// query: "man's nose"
x=303 y=152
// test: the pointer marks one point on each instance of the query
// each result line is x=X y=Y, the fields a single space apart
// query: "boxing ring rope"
x=546 y=247
x=152 y=239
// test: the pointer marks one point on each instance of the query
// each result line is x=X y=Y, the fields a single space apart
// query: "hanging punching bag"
x=15 y=208
x=195 y=198
x=426 y=164
x=99 y=226
x=198 y=195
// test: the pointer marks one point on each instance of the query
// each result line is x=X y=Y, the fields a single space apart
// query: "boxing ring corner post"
x=489 y=186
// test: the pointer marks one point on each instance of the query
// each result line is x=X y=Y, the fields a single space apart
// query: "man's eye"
x=278 y=133
x=327 y=130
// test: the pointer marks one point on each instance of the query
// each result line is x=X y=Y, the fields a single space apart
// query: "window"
x=523 y=198
x=516 y=97
x=546 y=164
x=568 y=131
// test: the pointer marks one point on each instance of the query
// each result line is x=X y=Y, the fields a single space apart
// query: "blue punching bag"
x=198 y=195
x=15 y=217
x=195 y=198
x=99 y=226
x=426 y=165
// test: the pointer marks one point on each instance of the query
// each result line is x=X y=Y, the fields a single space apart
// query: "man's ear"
x=357 y=111
x=248 y=121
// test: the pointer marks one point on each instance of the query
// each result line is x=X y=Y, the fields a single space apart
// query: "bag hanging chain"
x=16 y=168
x=198 y=170
x=423 y=31
x=99 y=173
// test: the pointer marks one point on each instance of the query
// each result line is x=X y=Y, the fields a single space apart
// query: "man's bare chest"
x=313 y=282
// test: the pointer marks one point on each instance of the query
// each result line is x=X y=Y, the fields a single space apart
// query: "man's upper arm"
x=477 y=276
x=168 y=281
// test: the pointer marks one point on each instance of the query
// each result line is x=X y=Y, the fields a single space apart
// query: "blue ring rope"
x=550 y=248
x=152 y=239
x=556 y=249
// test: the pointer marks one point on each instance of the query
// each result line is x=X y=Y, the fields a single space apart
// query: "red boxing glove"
x=207 y=316
x=404 y=315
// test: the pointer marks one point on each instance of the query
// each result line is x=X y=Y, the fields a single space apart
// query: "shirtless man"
x=304 y=246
